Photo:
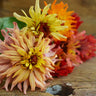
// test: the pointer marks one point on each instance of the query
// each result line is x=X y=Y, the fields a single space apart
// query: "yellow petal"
x=11 y=70
x=26 y=20
x=31 y=12
x=22 y=52
x=20 y=77
x=27 y=64
x=45 y=10
x=17 y=73
x=37 y=7
x=27 y=72
x=42 y=69
x=30 y=66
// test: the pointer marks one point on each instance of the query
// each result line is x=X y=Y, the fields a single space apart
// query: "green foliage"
x=7 y=22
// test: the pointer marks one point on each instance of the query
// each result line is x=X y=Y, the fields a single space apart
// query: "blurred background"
x=86 y=9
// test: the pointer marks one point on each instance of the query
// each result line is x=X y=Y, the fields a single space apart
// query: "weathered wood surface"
x=83 y=80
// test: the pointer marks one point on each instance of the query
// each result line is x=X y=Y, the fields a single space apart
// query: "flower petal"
x=32 y=81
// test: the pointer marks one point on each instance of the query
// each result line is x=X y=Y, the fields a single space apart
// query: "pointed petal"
x=25 y=86
x=8 y=80
x=12 y=86
x=11 y=70
x=45 y=10
x=31 y=12
x=26 y=20
x=32 y=81
x=20 y=77
x=37 y=7
x=19 y=86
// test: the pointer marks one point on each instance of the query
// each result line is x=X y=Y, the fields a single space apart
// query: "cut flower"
x=41 y=21
x=61 y=10
x=62 y=69
x=87 y=47
x=24 y=60
x=69 y=54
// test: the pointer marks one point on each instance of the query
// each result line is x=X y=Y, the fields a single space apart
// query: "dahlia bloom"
x=39 y=21
x=87 y=47
x=25 y=60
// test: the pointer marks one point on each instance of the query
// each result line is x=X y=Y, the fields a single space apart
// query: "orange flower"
x=62 y=13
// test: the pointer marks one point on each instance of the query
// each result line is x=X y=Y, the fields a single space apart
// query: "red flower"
x=77 y=19
x=62 y=69
x=87 y=46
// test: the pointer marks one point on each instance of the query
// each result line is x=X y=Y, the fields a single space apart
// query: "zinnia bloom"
x=61 y=10
x=69 y=55
x=87 y=47
x=69 y=51
x=62 y=69
x=25 y=60
x=40 y=21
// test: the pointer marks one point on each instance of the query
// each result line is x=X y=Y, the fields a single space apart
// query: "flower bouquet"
x=48 y=45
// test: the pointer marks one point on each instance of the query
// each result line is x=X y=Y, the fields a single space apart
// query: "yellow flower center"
x=32 y=59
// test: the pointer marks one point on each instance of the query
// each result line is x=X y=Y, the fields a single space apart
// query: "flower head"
x=61 y=10
x=62 y=69
x=87 y=47
x=69 y=51
x=69 y=56
x=25 y=60
x=41 y=21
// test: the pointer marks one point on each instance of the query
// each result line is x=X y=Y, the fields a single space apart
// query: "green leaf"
x=7 y=22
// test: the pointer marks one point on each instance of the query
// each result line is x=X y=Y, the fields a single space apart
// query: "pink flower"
x=25 y=60
x=68 y=53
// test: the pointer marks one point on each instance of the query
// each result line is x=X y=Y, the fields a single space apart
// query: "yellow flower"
x=61 y=10
x=40 y=21
x=24 y=60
